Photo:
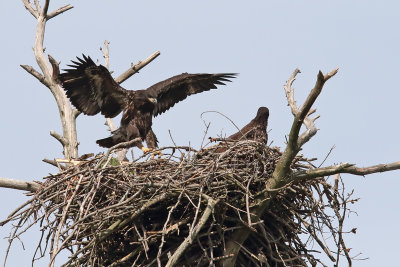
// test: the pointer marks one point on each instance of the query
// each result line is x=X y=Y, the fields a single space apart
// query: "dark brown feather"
x=92 y=89
x=177 y=88
x=256 y=129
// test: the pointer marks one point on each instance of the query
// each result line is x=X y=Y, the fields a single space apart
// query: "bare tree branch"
x=135 y=68
x=192 y=235
x=37 y=5
x=57 y=136
x=54 y=163
x=69 y=161
x=301 y=116
x=56 y=68
x=106 y=54
x=110 y=124
x=18 y=184
x=295 y=143
x=56 y=249
x=45 y=8
x=30 y=8
x=289 y=90
x=121 y=155
x=59 y=11
x=344 y=168
x=308 y=122
x=35 y=74
x=119 y=224
x=306 y=109
x=299 y=208
x=372 y=169
x=281 y=174
x=48 y=78
x=76 y=113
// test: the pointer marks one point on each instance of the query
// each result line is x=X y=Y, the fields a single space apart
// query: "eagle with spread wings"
x=92 y=89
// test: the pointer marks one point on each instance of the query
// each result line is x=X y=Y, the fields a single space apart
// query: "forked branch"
x=68 y=139
x=36 y=11
x=302 y=115
x=30 y=8
x=49 y=73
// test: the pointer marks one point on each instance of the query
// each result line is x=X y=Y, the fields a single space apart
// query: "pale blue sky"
x=264 y=41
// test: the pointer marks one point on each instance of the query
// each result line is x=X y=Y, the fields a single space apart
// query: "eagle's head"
x=262 y=115
x=145 y=101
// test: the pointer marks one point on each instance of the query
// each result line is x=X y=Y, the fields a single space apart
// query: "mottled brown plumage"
x=255 y=130
x=92 y=89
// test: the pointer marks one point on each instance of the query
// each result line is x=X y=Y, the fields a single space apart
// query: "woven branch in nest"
x=181 y=211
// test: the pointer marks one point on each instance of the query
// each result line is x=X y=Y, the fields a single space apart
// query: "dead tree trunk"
x=68 y=115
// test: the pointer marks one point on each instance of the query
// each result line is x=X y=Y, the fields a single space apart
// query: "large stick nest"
x=150 y=212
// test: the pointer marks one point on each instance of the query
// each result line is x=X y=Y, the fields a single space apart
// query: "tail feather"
x=117 y=136
x=107 y=142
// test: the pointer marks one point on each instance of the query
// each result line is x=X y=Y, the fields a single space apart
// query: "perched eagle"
x=91 y=89
x=256 y=130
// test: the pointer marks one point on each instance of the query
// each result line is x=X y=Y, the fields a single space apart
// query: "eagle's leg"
x=151 y=141
x=132 y=132
x=145 y=149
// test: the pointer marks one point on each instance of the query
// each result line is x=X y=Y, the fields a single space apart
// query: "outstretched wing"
x=92 y=89
x=177 y=88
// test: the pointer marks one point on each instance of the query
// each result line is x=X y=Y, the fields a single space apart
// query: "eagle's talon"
x=153 y=151
x=146 y=150
x=157 y=153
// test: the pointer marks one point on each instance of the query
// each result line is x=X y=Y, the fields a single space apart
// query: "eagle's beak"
x=152 y=100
